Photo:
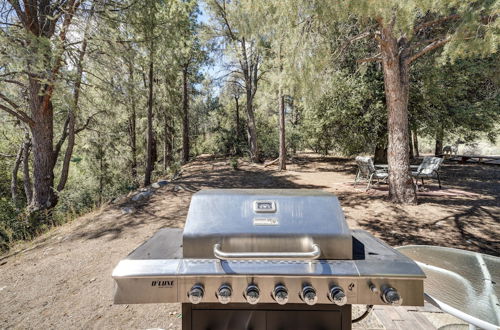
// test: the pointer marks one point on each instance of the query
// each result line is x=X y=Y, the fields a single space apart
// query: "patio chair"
x=367 y=171
x=428 y=169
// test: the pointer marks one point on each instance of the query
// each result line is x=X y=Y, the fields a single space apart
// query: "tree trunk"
x=438 y=150
x=251 y=129
x=396 y=82
x=410 y=144
x=248 y=68
x=380 y=156
x=415 y=143
x=15 y=170
x=28 y=191
x=294 y=122
x=238 y=128
x=282 y=156
x=44 y=157
x=132 y=122
x=167 y=142
x=150 y=148
x=185 y=116
x=101 y=172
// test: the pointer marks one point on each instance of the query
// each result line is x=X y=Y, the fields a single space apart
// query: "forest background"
x=100 y=97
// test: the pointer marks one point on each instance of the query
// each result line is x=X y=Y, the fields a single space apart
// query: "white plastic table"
x=462 y=283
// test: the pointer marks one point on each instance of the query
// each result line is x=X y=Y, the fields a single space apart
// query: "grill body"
x=297 y=239
x=249 y=220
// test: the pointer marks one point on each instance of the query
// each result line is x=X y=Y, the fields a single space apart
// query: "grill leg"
x=439 y=180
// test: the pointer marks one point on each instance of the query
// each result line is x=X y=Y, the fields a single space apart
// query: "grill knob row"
x=280 y=295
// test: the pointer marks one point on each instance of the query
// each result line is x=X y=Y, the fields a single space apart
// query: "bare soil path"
x=62 y=279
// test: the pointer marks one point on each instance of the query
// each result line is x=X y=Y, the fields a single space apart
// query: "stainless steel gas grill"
x=267 y=259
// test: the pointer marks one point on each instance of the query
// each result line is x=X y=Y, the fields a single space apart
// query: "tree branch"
x=375 y=58
x=9 y=101
x=436 y=22
x=64 y=134
x=84 y=127
x=430 y=47
x=21 y=115
x=226 y=22
x=13 y=82
x=351 y=40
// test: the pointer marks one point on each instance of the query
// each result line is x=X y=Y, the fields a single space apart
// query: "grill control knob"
x=224 y=294
x=337 y=296
x=252 y=294
x=280 y=294
x=195 y=295
x=392 y=297
x=308 y=295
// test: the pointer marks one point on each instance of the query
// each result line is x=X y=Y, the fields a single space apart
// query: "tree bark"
x=28 y=191
x=438 y=150
x=415 y=143
x=380 y=156
x=249 y=67
x=167 y=142
x=251 y=129
x=15 y=170
x=396 y=82
x=150 y=148
x=132 y=121
x=238 y=126
x=282 y=137
x=44 y=157
x=410 y=144
x=282 y=155
x=185 y=115
x=101 y=151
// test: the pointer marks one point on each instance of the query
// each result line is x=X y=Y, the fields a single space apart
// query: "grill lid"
x=266 y=224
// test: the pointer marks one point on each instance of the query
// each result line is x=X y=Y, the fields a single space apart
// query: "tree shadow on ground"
x=168 y=206
x=471 y=225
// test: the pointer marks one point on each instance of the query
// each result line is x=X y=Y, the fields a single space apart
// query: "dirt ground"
x=63 y=279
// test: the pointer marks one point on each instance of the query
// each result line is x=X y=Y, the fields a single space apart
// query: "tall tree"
x=405 y=31
x=248 y=61
x=43 y=35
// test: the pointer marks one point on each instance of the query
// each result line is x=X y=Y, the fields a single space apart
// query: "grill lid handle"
x=310 y=255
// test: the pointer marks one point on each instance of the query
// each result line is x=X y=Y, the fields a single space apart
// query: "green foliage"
x=348 y=116
x=461 y=97
x=307 y=51
x=234 y=163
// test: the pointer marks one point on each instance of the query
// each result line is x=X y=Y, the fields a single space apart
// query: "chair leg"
x=369 y=182
x=439 y=180
x=422 y=182
x=356 y=180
